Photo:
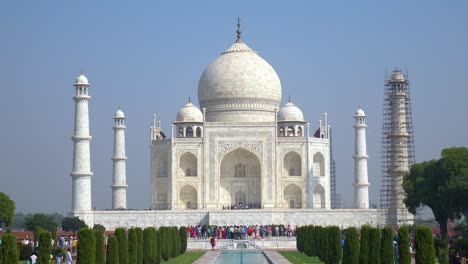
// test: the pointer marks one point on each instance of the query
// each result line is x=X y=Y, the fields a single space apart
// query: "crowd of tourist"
x=241 y=206
x=240 y=231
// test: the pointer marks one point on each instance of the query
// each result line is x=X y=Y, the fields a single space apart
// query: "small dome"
x=81 y=80
x=189 y=113
x=397 y=76
x=119 y=114
x=359 y=112
x=290 y=113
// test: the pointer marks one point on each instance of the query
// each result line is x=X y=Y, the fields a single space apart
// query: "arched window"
x=240 y=170
x=189 y=132
x=188 y=172
x=281 y=132
x=239 y=197
x=299 y=131
x=198 y=133
x=181 y=132
x=290 y=132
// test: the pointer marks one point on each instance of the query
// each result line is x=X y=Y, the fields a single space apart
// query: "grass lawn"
x=186 y=258
x=298 y=258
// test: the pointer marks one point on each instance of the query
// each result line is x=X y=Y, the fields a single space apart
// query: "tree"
x=112 y=256
x=374 y=245
x=334 y=248
x=404 y=255
x=99 y=227
x=425 y=252
x=100 y=254
x=132 y=246
x=122 y=243
x=7 y=210
x=139 y=233
x=86 y=247
x=45 y=248
x=440 y=184
x=183 y=239
x=8 y=250
x=33 y=222
x=351 y=247
x=73 y=224
x=175 y=242
x=387 y=250
x=158 y=249
x=365 y=242
x=149 y=245
x=165 y=247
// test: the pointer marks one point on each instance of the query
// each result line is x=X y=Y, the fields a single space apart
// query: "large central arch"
x=240 y=178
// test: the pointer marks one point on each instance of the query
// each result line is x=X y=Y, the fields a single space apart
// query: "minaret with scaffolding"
x=397 y=146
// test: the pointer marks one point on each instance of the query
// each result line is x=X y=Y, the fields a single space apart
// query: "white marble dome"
x=360 y=112
x=239 y=81
x=189 y=113
x=290 y=113
x=398 y=76
x=81 y=80
x=119 y=114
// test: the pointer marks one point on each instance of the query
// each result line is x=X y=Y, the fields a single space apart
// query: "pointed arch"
x=189 y=132
x=318 y=164
x=188 y=165
x=299 y=131
x=290 y=131
x=319 y=196
x=292 y=164
x=188 y=197
x=198 y=132
x=293 y=196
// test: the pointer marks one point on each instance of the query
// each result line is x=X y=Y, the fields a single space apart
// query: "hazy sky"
x=147 y=56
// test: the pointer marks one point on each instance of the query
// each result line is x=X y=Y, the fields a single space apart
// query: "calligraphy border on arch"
x=226 y=146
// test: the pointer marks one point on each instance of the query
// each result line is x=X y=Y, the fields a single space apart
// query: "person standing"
x=68 y=259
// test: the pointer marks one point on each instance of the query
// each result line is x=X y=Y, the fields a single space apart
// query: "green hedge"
x=183 y=239
x=100 y=254
x=86 y=246
x=139 y=234
x=166 y=245
x=387 y=252
x=122 y=244
x=45 y=247
x=365 y=242
x=112 y=256
x=9 y=253
x=132 y=246
x=175 y=242
x=159 y=243
x=425 y=252
x=404 y=255
x=351 y=247
x=334 y=245
x=149 y=245
x=374 y=245
x=442 y=251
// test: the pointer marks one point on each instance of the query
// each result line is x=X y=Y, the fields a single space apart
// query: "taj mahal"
x=239 y=149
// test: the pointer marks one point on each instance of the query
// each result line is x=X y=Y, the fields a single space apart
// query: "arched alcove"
x=319 y=196
x=161 y=165
x=188 y=197
x=292 y=164
x=293 y=196
x=188 y=165
x=161 y=196
x=319 y=165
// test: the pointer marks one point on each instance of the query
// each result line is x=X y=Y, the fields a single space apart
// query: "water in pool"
x=248 y=257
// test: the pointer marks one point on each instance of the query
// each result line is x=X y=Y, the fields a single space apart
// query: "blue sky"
x=147 y=56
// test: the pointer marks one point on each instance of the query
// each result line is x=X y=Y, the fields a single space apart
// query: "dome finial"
x=238 y=30
x=189 y=99
x=82 y=71
x=289 y=99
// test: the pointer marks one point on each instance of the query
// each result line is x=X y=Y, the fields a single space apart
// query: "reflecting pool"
x=244 y=257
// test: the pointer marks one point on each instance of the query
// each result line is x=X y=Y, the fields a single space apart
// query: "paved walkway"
x=276 y=257
x=208 y=258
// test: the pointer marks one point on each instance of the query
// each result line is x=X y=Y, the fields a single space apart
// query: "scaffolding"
x=397 y=143
x=335 y=203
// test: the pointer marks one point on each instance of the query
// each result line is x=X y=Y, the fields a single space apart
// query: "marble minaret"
x=119 y=182
x=81 y=173
x=361 y=183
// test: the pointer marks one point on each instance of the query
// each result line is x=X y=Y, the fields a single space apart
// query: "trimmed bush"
x=122 y=243
x=374 y=245
x=132 y=246
x=165 y=246
x=365 y=242
x=25 y=251
x=9 y=250
x=175 y=242
x=159 y=244
x=299 y=239
x=387 y=252
x=183 y=239
x=45 y=247
x=112 y=256
x=425 y=252
x=148 y=245
x=86 y=247
x=334 y=245
x=442 y=251
x=404 y=255
x=351 y=247
x=311 y=233
x=319 y=242
x=99 y=241
x=139 y=233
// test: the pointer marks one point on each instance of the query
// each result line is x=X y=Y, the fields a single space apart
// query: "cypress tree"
x=364 y=248
x=112 y=256
x=324 y=244
x=149 y=245
x=183 y=239
x=100 y=254
x=442 y=251
x=165 y=247
x=45 y=247
x=132 y=246
x=9 y=253
x=374 y=245
x=158 y=246
x=318 y=242
x=86 y=247
x=311 y=244
x=299 y=235
x=351 y=247
x=139 y=233
x=425 y=252
x=404 y=255
x=122 y=243
x=387 y=253
x=334 y=245
x=305 y=239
